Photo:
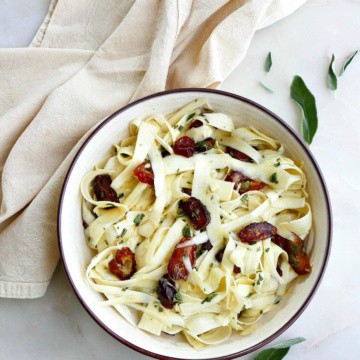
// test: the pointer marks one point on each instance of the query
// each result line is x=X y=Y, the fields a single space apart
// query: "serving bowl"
x=76 y=254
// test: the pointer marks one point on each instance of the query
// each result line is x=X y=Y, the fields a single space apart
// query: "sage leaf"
x=186 y=231
x=271 y=91
x=278 y=352
x=300 y=93
x=268 y=62
x=348 y=61
x=331 y=75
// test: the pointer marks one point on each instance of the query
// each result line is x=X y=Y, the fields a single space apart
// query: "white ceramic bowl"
x=76 y=254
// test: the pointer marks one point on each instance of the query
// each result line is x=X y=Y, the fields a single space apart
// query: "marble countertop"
x=57 y=327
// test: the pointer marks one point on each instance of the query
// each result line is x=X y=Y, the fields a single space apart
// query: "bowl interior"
x=76 y=254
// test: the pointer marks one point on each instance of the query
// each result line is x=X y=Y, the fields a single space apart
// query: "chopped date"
x=124 y=264
x=237 y=270
x=251 y=185
x=176 y=267
x=205 y=145
x=144 y=173
x=257 y=232
x=196 y=211
x=207 y=246
x=196 y=124
x=186 y=191
x=185 y=146
x=298 y=258
x=166 y=292
x=103 y=190
x=219 y=255
x=246 y=183
x=236 y=177
x=238 y=154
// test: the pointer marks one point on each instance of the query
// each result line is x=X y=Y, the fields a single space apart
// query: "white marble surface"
x=57 y=327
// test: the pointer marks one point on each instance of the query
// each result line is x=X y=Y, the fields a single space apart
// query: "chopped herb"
x=201 y=144
x=269 y=90
x=277 y=300
x=303 y=250
x=347 y=62
x=190 y=116
x=177 y=171
x=176 y=126
x=277 y=164
x=121 y=196
x=121 y=242
x=268 y=62
x=209 y=298
x=260 y=279
x=273 y=178
x=332 y=78
x=138 y=219
x=197 y=214
x=211 y=265
x=278 y=352
x=245 y=185
x=207 y=120
x=252 y=242
x=124 y=155
x=161 y=309
x=267 y=249
x=186 y=231
x=244 y=197
x=261 y=312
x=124 y=230
x=106 y=242
x=181 y=128
x=300 y=93
x=177 y=297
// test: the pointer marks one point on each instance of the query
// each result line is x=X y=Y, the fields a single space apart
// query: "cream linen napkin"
x=88 y=59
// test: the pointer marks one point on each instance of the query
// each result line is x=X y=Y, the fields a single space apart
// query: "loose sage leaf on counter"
x=271 y=91
x=348 y=61
x=268 y=62
x=331 y=75
x=300 y=93
x=278 y=352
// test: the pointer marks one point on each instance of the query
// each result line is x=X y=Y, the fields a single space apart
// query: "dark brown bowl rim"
x=311 y=157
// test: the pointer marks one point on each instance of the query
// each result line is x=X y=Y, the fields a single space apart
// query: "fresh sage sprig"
x=331 y=75
x=268 y=62
x=347 y=62
x=278 y=352
x=300 y=93
x=332 y=78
